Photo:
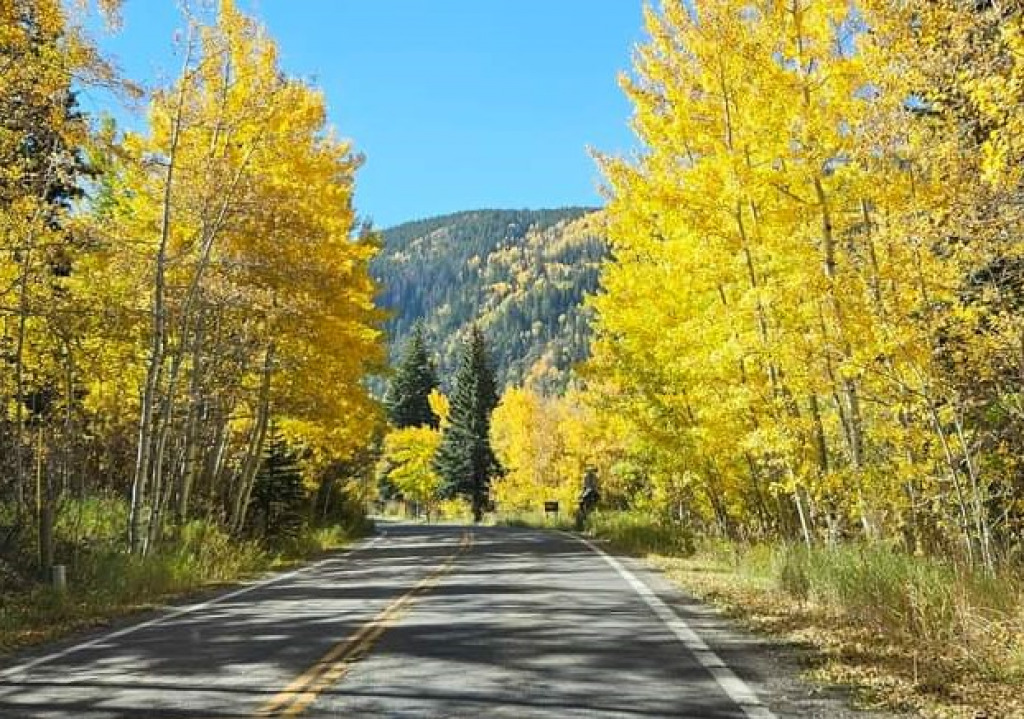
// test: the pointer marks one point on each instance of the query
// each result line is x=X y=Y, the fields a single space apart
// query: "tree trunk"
x=981 y=523
x=214 y=466
x=250 y=466
x=805 y=528
x=954 y=474
x=190 y=465
x=140 y=482
x=44 y=507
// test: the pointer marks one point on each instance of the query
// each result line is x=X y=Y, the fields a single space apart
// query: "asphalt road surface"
x=438 y=621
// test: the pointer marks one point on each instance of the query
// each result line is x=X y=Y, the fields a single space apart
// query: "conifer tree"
x=413 y=382
x=277 y=494
x=465 y=459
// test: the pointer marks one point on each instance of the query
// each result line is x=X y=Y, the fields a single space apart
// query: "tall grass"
x=639 y=534
x=927 y=601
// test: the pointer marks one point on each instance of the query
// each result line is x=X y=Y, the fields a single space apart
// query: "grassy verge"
x=908 y=633
x=534 y=520
x=104 y=584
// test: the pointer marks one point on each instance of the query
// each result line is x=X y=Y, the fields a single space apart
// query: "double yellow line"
x=332 y=666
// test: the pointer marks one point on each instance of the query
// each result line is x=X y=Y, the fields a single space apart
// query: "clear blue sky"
x=457 y=104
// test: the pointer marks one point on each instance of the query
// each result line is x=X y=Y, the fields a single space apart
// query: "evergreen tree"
x=465 y=459
x=414 y=380
x=277 y=495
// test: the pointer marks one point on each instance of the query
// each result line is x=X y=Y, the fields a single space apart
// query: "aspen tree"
x=242 y=237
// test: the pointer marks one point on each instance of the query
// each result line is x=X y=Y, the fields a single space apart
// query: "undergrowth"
x=534 y=520
x=638 y=534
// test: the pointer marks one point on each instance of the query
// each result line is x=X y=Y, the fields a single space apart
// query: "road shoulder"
x=777 y=669
x=123 y=621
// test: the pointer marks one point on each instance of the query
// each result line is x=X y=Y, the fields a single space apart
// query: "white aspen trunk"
x=191 y=458
x=250 y=466
x=136 y=530
x=209 y=235
x=954 y=474
x=218 y=457
x=848 y=387
x=19 y=383
x=801 y=512
x=981 y=523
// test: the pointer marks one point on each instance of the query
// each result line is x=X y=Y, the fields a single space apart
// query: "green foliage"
x=465 y=459
x=312 y=541
x=414 y=380
x=639 y=533
x=96 y=519
x=278 y=497
x=203 y=554
x=337 y=505
x=521 y=274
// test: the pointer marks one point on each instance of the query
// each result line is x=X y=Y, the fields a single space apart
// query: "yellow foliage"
x=284 y=273
x=768 y=326
x=545 y=444
x=408 y=462
x=439 y=405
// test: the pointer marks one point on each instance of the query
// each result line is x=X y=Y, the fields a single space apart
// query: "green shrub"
x=639 y=534
x=94 y=520
x=311 y=541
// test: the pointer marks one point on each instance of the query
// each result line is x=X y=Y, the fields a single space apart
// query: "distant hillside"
x=521 y=273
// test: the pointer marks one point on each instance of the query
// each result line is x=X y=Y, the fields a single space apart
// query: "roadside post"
x=59 y=577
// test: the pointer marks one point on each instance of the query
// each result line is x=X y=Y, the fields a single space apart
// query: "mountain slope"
x=522 y=274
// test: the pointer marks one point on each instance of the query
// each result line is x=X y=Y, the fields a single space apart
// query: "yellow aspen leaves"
x=802 y=272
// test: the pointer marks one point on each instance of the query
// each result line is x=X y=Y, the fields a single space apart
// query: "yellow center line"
x=332 y=666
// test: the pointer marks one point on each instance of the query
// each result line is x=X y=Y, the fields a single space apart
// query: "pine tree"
x=465 y=459
x=277 y=494
x=414 y=380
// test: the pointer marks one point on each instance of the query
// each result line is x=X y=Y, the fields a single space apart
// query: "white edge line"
x=734 y=687
x=181 y=611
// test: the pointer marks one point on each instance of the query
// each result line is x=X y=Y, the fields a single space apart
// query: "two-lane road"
x=439 y=621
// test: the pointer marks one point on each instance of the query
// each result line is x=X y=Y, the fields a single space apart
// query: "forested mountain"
x=522 y=274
